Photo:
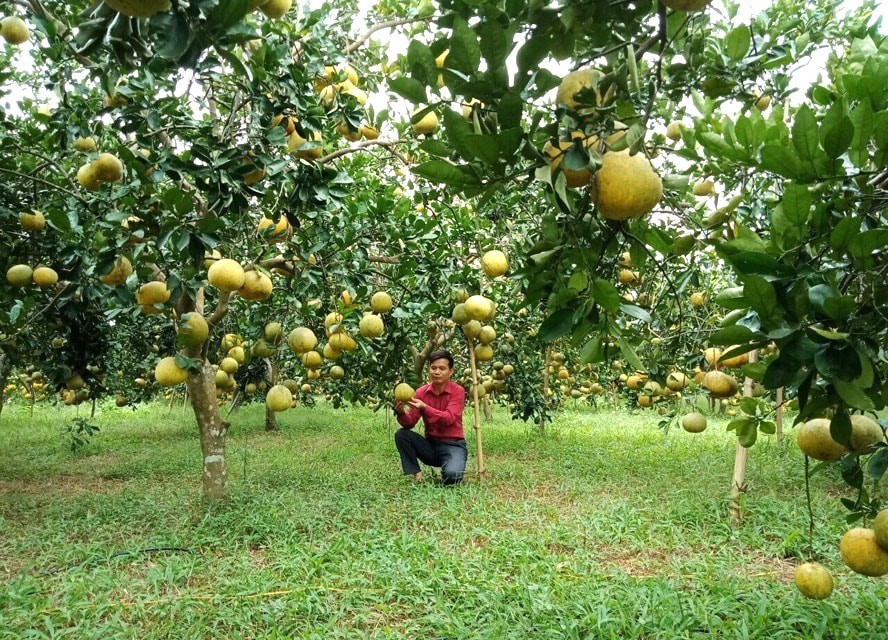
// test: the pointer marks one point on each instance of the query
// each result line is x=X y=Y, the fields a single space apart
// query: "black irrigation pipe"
x=97 y=559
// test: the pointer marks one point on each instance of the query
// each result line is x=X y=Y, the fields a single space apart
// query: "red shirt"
x=443 y=413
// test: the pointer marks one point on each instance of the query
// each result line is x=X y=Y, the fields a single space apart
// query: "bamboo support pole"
x=475 y=406
x=545 y=388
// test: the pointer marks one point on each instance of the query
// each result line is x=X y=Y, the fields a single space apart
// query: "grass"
x=604 y=528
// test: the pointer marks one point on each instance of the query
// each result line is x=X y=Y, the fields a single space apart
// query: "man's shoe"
x=416 y=477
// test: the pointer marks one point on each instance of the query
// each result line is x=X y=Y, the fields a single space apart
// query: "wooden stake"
x=778 y=419
x=475 y=406
x=738 y=482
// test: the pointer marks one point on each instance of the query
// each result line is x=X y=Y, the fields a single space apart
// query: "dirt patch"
x=646 y=563
x=764 y=566
x=64 y=484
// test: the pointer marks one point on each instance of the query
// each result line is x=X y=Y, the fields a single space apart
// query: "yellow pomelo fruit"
x=230 y=340
x=633 y=381
x=676 y=381
x=862 y=553
x=369 y=132
x=168 y=373
x=627 y=276
x=693 y=422
x=312 y=359
x=121 y=270
x=139 y=8
x=19 y=275
x=108 y=168
x=735 y=362
x=427 y=124
x=479 y=308
x=273 y=332
x=577 y=81
x=279 y=398
x=342 y=342
x=14 y=30
x=34 y=221
x=252 y=5
x=441 y=59
x=371 y=325
x=703 y=188
x=229 y=365
x=333 y=323
x=154 y=292
x=347 y=298
x=815 y=441
x=762 y=102
x=193 y=330
x=238 y=354
x=226 y=275
x=404 y=392
x=484 y=353
x=313 y=374
x=87 y=177
x=262 y=349
x=330 y=353
x=75 y=382
x=487 y=334
x=86 y=145
x=472 y=329
x=880 y=528
x=865 y=432
x=574 y=178
x=291 y=384
x=301 y=340
x=276 y=8
x=697 y=300
x=211 y=257
x=256 y=286
x=719 y=384
x=274 y=232
x=712 y=355
x=626 y=187
x=814 y=580
x=337 y=372
x=381 y=302
x=352 y=135
x=221 y=378
x=459 y=315
x=673 y=130
x=494 y=263
x=45 y=277
x=295 y=144
x=687 y=5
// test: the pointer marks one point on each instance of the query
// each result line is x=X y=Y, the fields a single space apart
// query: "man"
x=440 y=405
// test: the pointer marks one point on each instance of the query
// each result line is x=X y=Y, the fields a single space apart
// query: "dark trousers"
x=450 y=455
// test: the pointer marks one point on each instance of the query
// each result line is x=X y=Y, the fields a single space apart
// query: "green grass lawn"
x=604 y=528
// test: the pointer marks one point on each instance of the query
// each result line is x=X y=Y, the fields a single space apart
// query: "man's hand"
x=399 y=406
x=417 y=404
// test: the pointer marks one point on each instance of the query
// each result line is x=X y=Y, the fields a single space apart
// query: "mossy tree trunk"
x=212 y=429
x=4 y=376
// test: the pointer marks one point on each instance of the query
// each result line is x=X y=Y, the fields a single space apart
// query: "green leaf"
x=440 y=171
x=635 y=312
x=853 y=395
x=422 y=63
x=845 y=230
x=484 y=148
x=746 y=430
x=606 y=294
x=837 y=138
x=731 y=298
x=840 y=428
x=509 y=110
x=735 y=334
x=495 y=43
x=878 y=464
x=592 y=351
x=804 y=134
x=780 y=373
x=557 y=325
x=409 y=88
x=630 y=355
x=737 y=43
x=465 y=53
x=862 y=119
x=864 y=244
x=761 y=297
x=578 y=281
x=781 y=160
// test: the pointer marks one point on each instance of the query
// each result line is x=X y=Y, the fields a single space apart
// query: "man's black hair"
x=441 y=353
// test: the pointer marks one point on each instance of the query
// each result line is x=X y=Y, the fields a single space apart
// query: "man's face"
x=440 y=371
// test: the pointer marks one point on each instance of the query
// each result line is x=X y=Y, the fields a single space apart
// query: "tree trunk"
x=271 y=416
x=4 y=376
x=213 y=430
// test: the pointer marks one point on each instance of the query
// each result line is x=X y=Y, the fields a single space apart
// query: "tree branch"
x=388 y=145
x=388 y=24
x=46 y=182
x=221 y=309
